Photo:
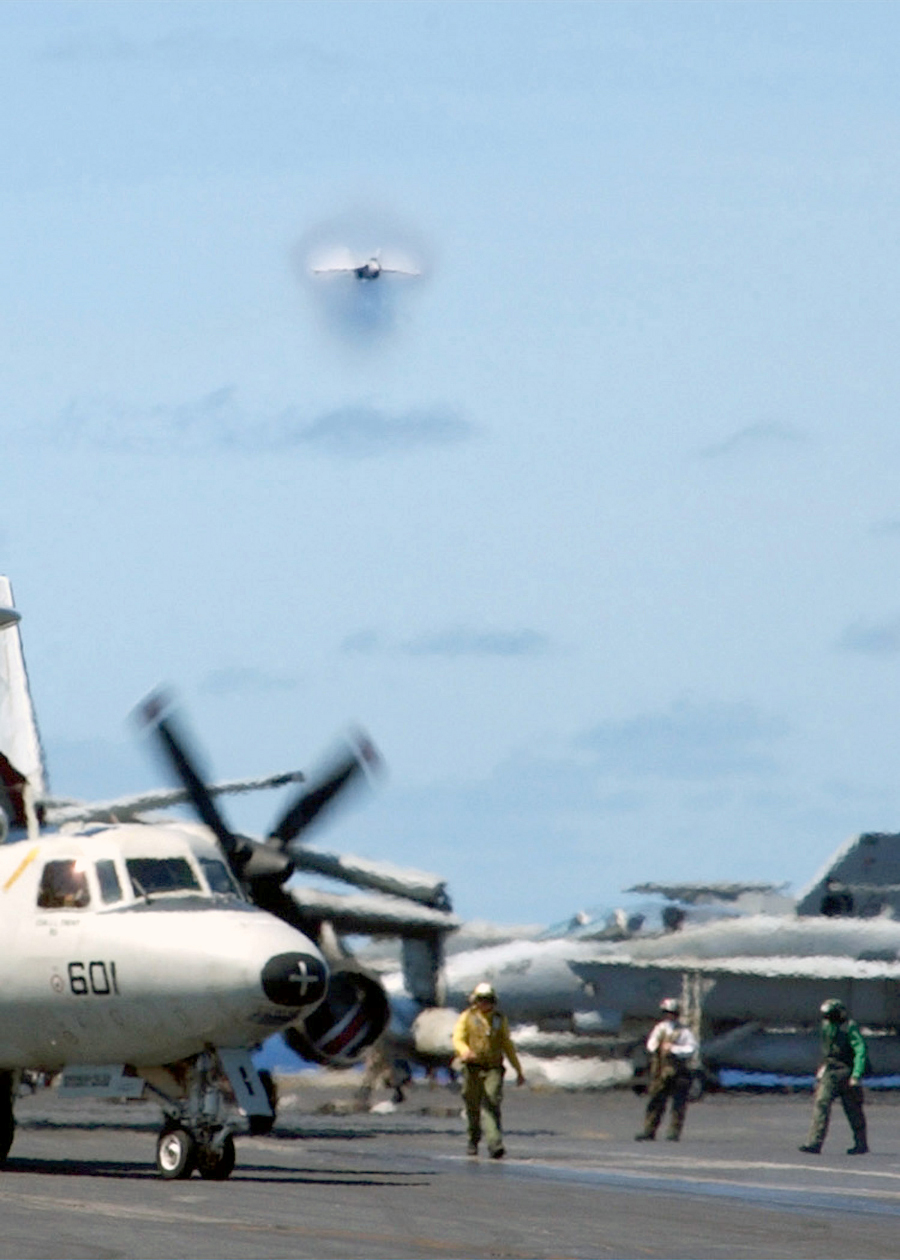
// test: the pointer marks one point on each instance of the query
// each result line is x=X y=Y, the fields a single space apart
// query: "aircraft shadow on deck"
x=270 y=1174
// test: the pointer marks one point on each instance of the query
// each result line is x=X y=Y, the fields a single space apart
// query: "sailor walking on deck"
x=671 y=1046
x=481 y=1039
x=845 y=1061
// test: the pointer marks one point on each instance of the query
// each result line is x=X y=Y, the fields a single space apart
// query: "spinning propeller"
x=254 y=862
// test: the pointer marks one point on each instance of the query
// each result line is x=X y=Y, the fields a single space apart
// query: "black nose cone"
x=294 y=979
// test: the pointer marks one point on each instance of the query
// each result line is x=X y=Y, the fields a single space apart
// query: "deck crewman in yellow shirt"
x=481 y=1039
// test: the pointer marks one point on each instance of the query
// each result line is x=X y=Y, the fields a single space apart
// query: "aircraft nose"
x=294 y=979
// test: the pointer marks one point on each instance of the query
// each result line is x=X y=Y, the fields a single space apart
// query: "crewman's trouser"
x=482 y=1094
x=672 y=1082
x=835 y=1083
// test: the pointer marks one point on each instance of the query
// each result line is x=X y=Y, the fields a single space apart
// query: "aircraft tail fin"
x=23 y=775
x=860 y=880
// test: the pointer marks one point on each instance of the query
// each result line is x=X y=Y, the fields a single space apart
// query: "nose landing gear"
x=196 y=1134
x=176 y=1153
x=179 y=1152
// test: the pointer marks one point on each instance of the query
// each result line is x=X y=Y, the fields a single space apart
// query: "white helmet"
x=484 y=989
x=671 y=1006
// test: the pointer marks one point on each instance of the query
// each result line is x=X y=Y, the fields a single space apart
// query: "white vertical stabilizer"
x=23 y=778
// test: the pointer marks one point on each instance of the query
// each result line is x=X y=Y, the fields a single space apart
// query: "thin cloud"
x=218 y=421
x=755 y=437
x=461 y=641
x=886 y=529
x=872 y=639
x=364 y=642
x=688 y=741
x=364 y=432
x=243 y=680
x=454 y=643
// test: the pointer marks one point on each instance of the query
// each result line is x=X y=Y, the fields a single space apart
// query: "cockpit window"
x=64 y=886
x=108 y=879
x=161 y=875
x=218 y=877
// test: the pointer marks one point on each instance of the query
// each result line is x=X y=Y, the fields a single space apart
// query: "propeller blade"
x=358 y=763
x=151 y=714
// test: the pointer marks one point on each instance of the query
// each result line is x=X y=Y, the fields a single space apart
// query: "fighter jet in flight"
x=344 y=262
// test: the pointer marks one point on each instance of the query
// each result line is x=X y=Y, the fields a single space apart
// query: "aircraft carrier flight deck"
x=81 y=1182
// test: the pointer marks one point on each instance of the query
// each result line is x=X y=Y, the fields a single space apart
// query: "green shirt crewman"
x=844 y=1064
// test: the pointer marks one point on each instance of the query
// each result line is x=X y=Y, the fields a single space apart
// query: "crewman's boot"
x=860 y=1148
x=809 y=1149
x=644 y=1137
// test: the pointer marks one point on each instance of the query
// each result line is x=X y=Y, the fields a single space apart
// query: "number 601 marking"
x=96 y=979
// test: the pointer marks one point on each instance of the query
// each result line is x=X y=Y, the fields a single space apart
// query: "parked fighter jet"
x=111 y=972
x=753 y=983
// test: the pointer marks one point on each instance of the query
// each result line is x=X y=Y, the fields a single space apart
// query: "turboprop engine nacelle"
x=352 y=1016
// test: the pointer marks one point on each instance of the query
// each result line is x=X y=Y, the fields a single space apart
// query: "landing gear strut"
x=195 y=1135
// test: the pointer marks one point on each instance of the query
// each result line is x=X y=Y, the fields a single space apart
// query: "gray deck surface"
x=81 y=1182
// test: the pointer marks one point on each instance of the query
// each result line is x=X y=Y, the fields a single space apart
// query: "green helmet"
x=834 y=1009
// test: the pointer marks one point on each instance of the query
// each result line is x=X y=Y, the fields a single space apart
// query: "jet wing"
x=777 y=991
x=824 y=967
x=692 y=893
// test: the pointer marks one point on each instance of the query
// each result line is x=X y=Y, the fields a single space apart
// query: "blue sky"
x=597 y=531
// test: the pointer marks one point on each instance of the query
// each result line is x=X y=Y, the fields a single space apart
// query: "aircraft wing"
x=778 y=991
x=692 y=893
x=823 y=967
x=60 y=810
x=371 y=914
x=397 y=881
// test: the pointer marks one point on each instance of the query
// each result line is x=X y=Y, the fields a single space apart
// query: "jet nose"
x=294 y=979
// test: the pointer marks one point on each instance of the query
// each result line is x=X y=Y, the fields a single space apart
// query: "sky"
x=594 y=527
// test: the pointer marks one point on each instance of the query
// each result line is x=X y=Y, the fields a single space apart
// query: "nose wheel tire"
x=216 y=1163
x=176 y=1154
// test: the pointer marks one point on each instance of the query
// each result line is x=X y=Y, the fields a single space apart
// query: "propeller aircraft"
x=138 y=954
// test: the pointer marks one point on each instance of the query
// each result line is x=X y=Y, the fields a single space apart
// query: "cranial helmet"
x=671 y=1006
x=484 y=990
x=833 y=1009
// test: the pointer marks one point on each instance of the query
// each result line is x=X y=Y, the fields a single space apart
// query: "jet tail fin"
x=23 y=775
x=861 y=880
